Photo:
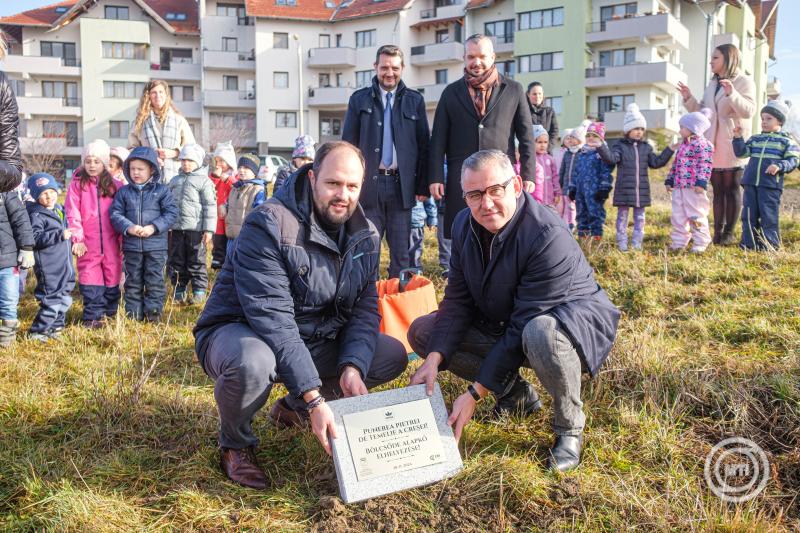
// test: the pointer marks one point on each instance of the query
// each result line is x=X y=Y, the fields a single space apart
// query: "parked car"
x=270 y=167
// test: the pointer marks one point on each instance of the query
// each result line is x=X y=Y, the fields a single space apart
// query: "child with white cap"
x=547 y=190
x=573 y=140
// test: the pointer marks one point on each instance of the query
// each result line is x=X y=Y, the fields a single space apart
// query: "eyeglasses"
x=495 y=192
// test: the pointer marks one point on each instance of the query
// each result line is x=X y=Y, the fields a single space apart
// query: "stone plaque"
x=392 y=440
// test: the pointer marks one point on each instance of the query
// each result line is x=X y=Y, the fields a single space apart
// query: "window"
x=507 y=68
x=174 y=55
x=117 y=13
x=540 y=62
x=330 y=127
x=280 y=40
x=280 y=80
x=64 y=130
x=66 y=90
x=285 y=119
x=324 y=40
x=441 y=76
x=339 y=40
x=617 y=11
x=230 y=83
x=234 y=10
x=66 y=51
x=230 y=44
x=613 y=103
x=227 y=122
x=122 y=89
x=61 y=9
x=113 y=50
x=501 y=30
x=556 y=102
x=442 y=36
x=176 y=16
x=285 y=2
x=617 y=58
x=18 y=86
x=365 y=39
x=119 y=129
x=542 y=18
x=363 y=78
x=324 y=79
x=182 y=93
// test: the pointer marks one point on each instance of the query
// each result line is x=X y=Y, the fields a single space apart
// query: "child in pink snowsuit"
x=573 y=139
x=94 y=240
x=688 y=181
x=547 y=190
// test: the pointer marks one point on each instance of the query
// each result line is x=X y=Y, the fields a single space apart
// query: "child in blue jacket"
x=591 y=184
x=143 y=212
x=52 y=251
x=772 y=154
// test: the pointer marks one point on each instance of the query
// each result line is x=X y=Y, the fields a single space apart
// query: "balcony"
x=437 y=54
x=663 y=75
x=176 y=71
x=39 y=105
x=503 y=44
x=52 y=66
x=330 y=97
x=661 y=29
x=454 y=8
x=336 y=57
x=230 y=99
x=190 y=109
x=432 y=93
x=657 y=119
x=224 y=60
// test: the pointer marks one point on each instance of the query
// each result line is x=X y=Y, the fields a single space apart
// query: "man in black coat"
x=481 y=111
x=396 y=157
x=543 y=115
x=520 y=293
x=296 y=302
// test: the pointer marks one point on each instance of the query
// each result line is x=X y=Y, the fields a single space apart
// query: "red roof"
x=304 y=10
x=475 y=4
x=43 y=16
x=368 y=8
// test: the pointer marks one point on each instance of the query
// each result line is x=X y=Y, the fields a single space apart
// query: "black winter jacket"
x=363 y=127
x=10 y=155
x=293 y=286
x=633 y=158
x=54 y=271
x=545 y=116
x=535 y=267
x=15 y=229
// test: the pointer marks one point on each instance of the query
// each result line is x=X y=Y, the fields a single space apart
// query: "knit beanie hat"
x=566 y=133
x=598 y=128
x=250 y=161
x=193 y=152
x=633 y=119
x=304 y=147
x=120 y=152
x=697 y=122
x=40 y=182
x=580 y=132
x=538 y=131
x=777 y=109
x=225 y=152
x=98 y=149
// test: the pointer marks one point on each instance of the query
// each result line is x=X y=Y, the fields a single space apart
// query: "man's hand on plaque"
x=427 y=372
x=351 y=382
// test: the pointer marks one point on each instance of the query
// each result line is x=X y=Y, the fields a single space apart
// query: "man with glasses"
x=520 y=293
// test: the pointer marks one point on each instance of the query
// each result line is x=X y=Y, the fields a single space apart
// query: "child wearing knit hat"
x=547 y=190
x=223 y=176
x=303 y=154
x=687 y=182
x=633 y=156
x=247 y=194
x=772 y=154
x=572 y=140
x=590 y=183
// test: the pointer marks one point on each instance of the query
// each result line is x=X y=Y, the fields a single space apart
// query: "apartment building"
x=260 y=72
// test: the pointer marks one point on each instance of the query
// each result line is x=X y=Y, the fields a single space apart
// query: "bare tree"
x=43 y=154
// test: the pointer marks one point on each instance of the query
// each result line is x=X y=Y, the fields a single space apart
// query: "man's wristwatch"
x=472 y=392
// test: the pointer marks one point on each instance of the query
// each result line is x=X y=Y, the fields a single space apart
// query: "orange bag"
x=399 y=309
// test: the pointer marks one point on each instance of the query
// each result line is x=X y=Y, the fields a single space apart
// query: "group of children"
x=121 y=221
x=577 y=180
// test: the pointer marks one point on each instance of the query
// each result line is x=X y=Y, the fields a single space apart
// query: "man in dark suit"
x=481 y=111
x=387 y=120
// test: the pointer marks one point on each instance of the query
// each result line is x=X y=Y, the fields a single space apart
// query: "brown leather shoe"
x=284 y=416
x=242 y=467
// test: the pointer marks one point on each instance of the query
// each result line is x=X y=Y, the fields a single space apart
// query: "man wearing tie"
x=387 y=121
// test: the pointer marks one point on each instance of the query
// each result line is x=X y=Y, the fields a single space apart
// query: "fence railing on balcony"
x=597 y=72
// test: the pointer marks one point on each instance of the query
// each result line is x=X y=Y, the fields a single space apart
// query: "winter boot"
x=8 y=332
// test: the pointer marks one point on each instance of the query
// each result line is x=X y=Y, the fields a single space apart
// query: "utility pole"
x=296 y=37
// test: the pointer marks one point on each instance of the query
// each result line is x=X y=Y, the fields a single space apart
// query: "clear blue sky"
x=787 y=46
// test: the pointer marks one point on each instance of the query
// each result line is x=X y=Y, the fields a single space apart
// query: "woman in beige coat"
x=731 y=95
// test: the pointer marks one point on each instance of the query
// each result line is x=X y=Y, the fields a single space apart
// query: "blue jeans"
x=9 y=293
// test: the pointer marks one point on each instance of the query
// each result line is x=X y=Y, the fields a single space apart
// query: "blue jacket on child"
x=16 y=229
x=151 y=203
x=765 y=149
x=591 y=177
x=53 y=254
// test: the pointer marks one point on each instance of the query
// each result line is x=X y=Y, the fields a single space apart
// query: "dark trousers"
x=220 y=247
x=392 y=222
x=144 y=283
x=52 y=311
x=99 y=301
x=187 y=260
x=244 y=370
x=727 y=187
x=760 y=229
